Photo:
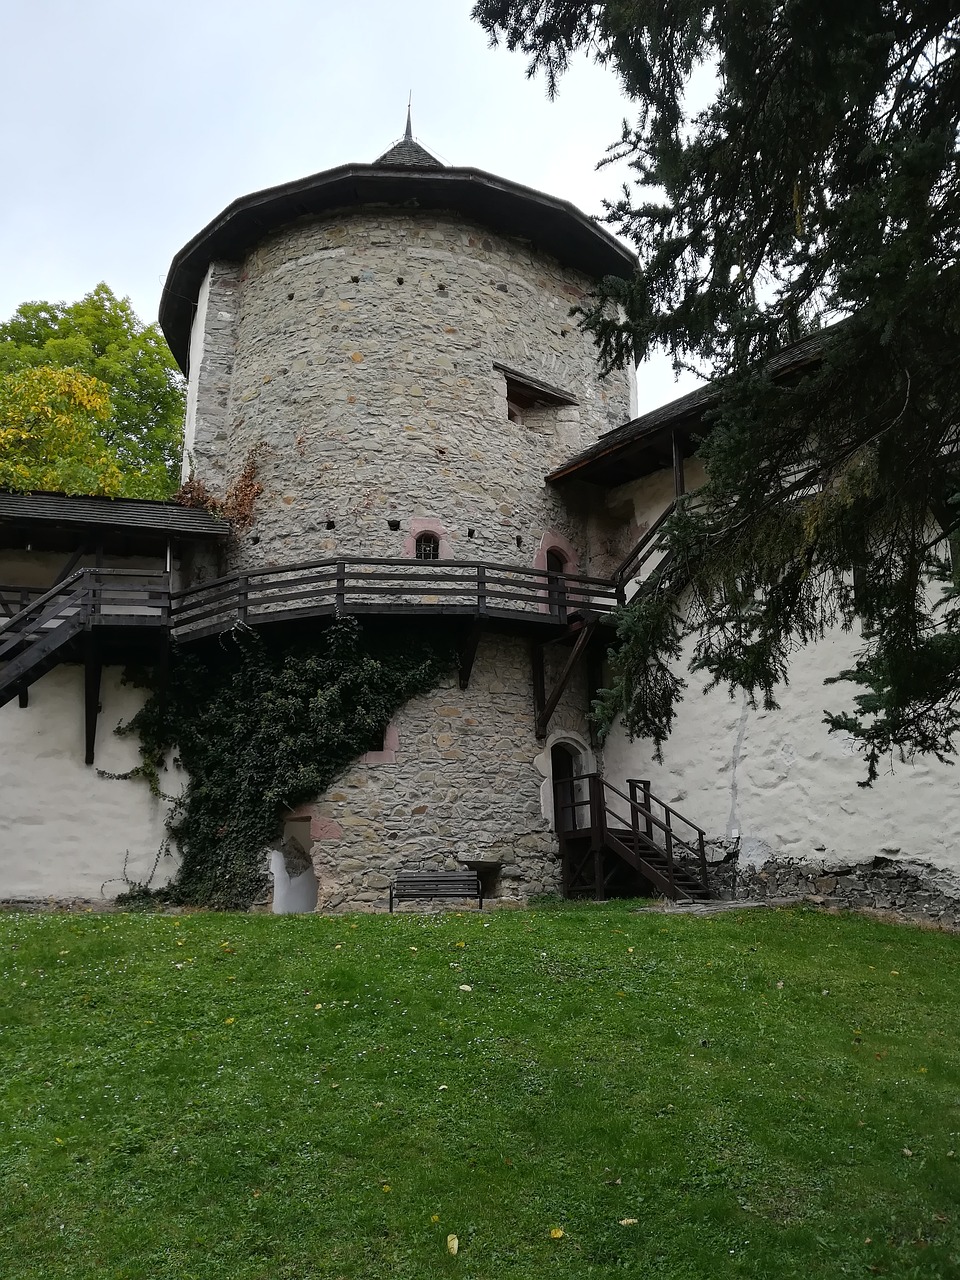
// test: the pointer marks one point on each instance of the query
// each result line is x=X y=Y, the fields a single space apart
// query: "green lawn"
x=570 y=1091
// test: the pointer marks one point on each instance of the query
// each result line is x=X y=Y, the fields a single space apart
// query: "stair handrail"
x=58 y=587
x=643 y=549
x=669 y=812
x=670 y=836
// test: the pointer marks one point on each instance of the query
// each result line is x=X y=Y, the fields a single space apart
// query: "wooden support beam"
x=23 y=696
x=468 y=653
x=92 y=671
x=549 y=704
x=678 y=478
x=71 y=564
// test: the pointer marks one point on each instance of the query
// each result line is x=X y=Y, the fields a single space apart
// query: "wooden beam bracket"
x=468 y=653
x=545 y=704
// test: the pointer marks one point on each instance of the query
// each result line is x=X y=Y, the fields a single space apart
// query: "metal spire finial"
x=408 y=134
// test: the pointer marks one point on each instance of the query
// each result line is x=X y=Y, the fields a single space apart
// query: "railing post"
x=242 y=581
x=481 y=588
x=598 y=817
x=645 y=787
x=94 y=601
x=668 y=844
x=598 y=820
x=340 y=598
x=703 y=860
x=634 y=811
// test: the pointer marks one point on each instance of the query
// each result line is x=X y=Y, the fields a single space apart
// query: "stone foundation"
x=912 y=890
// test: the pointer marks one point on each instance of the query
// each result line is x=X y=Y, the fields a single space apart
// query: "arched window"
x=427 y=546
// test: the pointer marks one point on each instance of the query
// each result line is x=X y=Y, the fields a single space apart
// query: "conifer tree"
x=817 y=191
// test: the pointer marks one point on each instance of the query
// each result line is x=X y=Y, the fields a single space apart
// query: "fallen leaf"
x=229 y=1021
x=907 y=1151
x=629 y=1222
x=465 y=987
x=556 y=1233
x=386 y=1187
x=434 y=1217
x=453 y=1244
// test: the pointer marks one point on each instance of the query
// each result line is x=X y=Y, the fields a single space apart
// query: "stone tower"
x=392 y=345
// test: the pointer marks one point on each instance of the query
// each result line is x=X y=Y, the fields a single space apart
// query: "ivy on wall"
x=262 y=726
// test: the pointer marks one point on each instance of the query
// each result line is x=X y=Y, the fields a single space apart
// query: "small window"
x=428 y=546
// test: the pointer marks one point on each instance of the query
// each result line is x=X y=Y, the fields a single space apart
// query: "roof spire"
x=407 y=152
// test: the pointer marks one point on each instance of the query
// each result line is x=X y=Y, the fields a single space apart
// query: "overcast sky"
x=129 y=125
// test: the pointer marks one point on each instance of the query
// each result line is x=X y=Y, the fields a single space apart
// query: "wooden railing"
x=353 y=585
x=347 y=585
x=14 y=599
x=646 y=547
x=587 y=803
x=642 y=802
x=102 y=595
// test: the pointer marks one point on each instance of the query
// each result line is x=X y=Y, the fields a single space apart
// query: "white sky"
x=129 y=125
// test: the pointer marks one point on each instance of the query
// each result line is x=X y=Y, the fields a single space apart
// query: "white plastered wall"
x=66 y=832
x=778 y=779
x=195 y=361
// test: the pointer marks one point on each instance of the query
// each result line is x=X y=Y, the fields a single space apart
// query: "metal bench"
x=435 y=884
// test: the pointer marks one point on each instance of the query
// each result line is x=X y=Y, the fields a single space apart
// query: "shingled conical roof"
x=409 y=153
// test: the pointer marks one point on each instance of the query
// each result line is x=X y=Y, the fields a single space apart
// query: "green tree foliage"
x=51 y=424
x=820 y=183
x=101 y=336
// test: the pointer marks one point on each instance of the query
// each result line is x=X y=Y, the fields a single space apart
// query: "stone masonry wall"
x=364 y=379
x=911 y=889
x=464 y=785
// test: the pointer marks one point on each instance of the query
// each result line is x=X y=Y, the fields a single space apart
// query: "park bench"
x=436 y=884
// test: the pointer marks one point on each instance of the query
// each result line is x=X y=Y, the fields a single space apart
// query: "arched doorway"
x=566 y=767
x=556 y=585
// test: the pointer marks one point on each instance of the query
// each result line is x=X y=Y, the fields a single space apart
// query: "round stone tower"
x=391 y=347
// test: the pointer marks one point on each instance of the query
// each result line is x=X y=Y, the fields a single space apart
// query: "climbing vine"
x=261 y=727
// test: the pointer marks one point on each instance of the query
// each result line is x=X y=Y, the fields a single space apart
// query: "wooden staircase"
x=35 y=638
x=626 y=844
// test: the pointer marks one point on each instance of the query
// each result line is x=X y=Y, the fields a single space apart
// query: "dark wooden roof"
x=643 y=445
x=555 y=226
x=166 y=519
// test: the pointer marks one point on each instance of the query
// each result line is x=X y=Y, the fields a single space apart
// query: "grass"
x=761 y=1093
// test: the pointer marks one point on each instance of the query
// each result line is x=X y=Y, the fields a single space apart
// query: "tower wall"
x=362 y=378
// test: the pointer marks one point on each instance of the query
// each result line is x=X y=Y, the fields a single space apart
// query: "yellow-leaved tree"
x=51 y=435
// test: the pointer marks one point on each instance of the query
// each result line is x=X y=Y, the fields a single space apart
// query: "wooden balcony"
x=399 y=588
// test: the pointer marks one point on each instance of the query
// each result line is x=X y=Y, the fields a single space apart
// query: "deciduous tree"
x=102 y=337
x=819 y=183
